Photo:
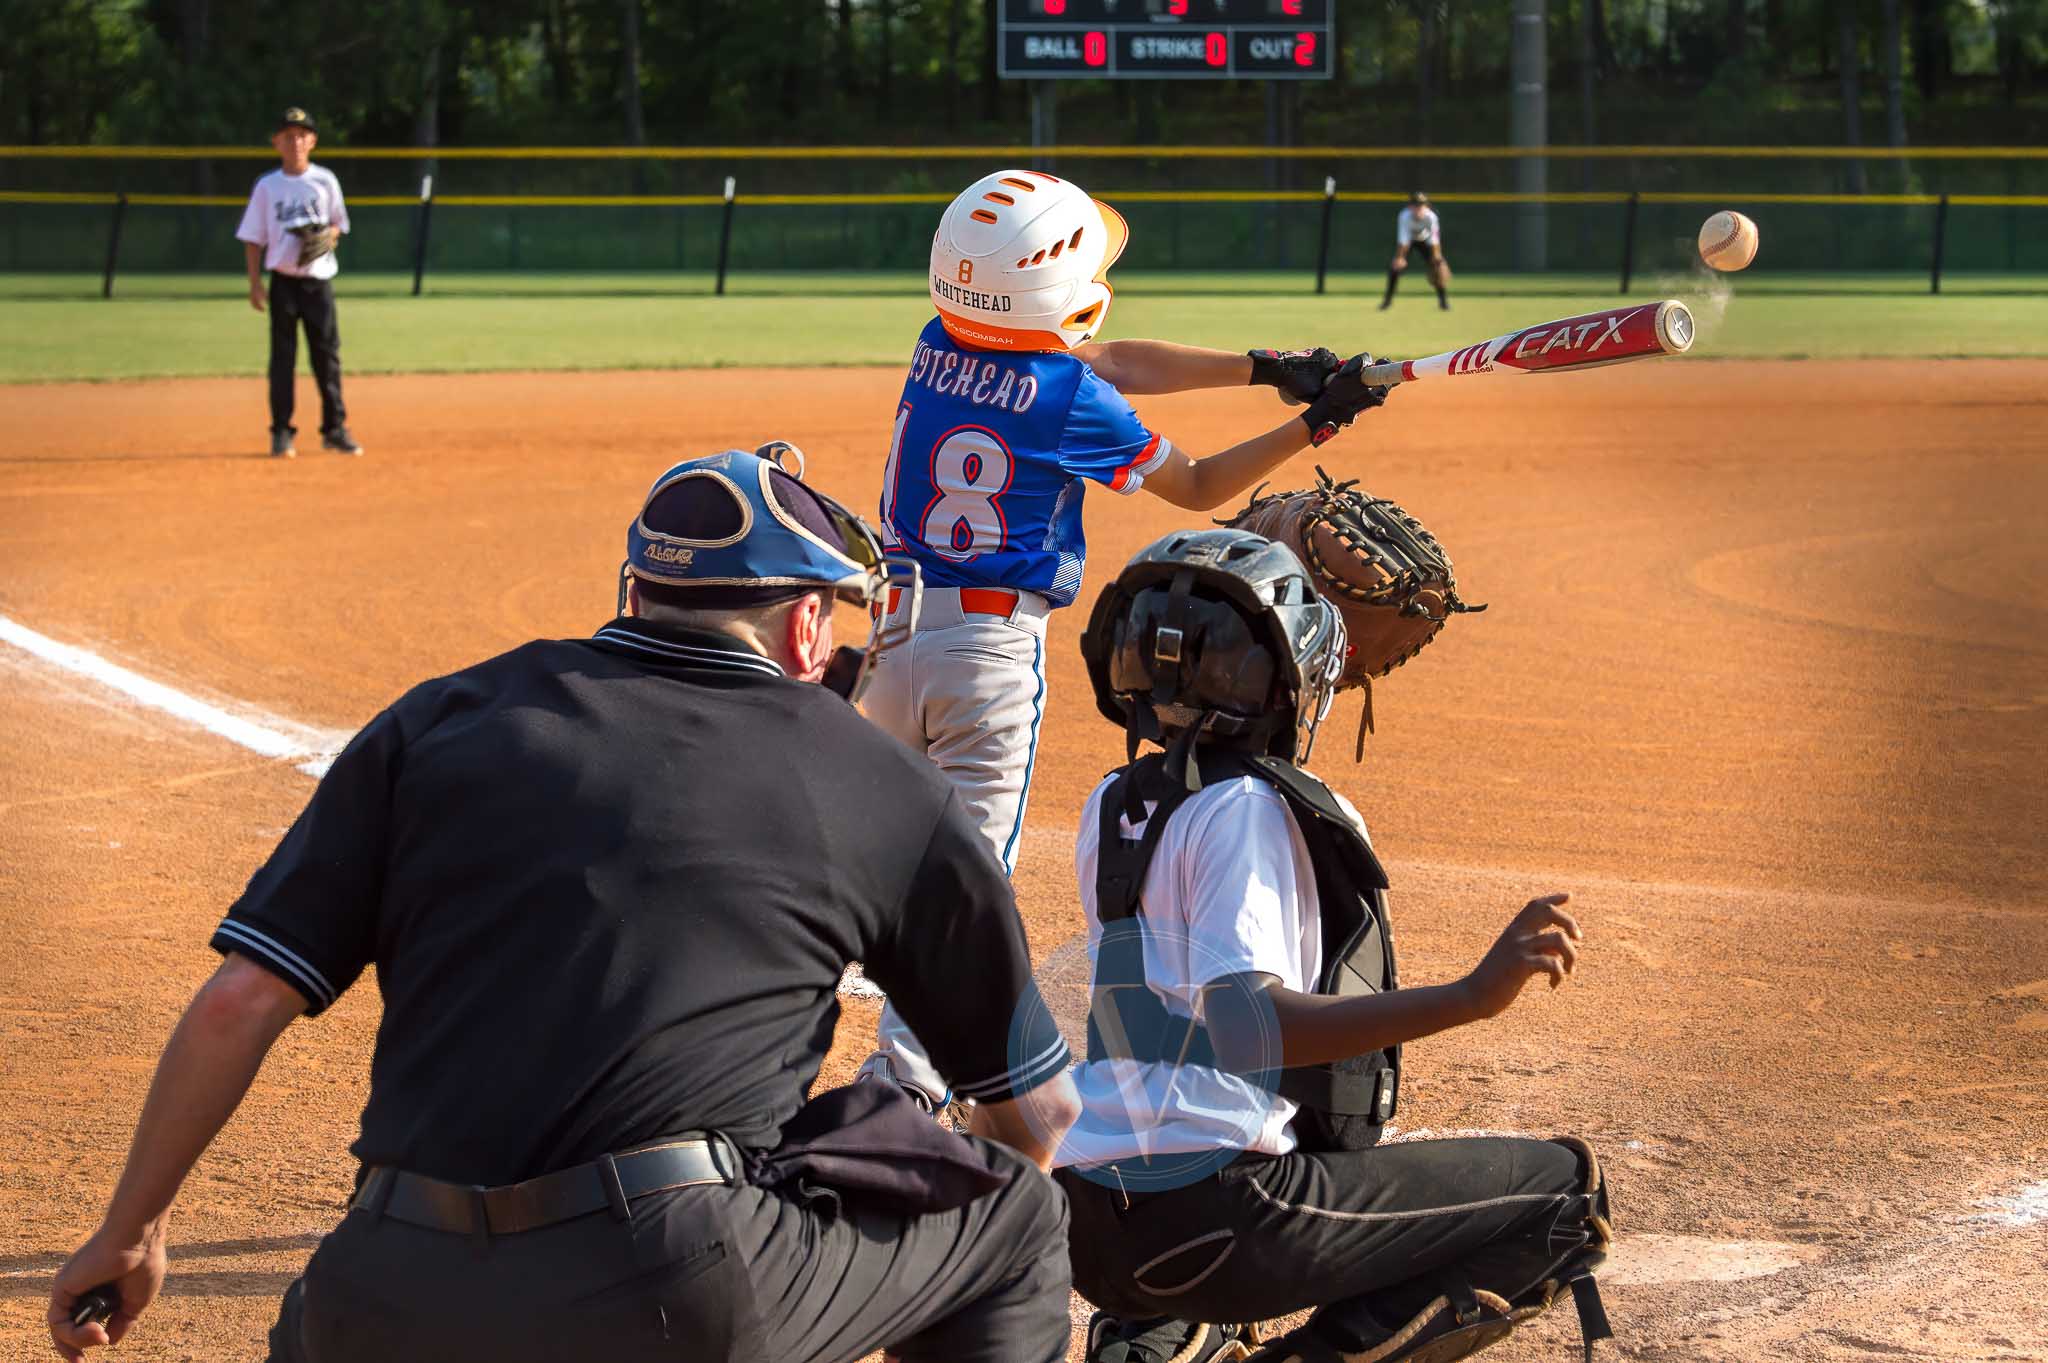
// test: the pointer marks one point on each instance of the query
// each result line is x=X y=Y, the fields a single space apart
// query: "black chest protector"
x=1343 y=1105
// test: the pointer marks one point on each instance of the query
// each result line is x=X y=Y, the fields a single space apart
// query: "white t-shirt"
x=1418 y=223
x=1230 y=890
x=280 y=202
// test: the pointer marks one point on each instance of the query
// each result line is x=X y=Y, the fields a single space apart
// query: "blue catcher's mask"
x=742 y=530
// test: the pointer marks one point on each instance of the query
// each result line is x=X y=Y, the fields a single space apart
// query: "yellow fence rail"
x=1127 y=196
x=262 y=151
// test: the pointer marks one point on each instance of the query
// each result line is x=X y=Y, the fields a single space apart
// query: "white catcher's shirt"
x=1230 y=890
x=281 y=202
x=1418 y=222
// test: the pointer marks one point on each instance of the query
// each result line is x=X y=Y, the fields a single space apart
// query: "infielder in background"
x=294 y=218
x=1010 y=410
x=1418 y=223
x=1245 y=1033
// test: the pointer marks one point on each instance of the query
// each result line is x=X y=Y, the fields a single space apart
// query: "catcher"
x=1245 y=1034
x=1418 y=222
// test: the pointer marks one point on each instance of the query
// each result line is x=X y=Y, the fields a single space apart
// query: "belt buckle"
x=479 y=1215
x=725 y=1156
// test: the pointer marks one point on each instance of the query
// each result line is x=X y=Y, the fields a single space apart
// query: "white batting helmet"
x=1019 y=259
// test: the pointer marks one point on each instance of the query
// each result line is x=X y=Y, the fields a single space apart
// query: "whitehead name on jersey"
x=988 y=460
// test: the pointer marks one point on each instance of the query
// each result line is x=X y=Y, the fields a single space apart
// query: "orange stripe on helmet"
x=980 y=335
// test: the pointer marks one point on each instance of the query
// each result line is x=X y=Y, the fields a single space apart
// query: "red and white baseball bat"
x=1587 y=341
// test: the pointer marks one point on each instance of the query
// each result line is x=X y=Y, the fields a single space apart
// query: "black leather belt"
x=610 y=1182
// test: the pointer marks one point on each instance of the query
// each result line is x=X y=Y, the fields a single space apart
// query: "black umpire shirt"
x=610 y=885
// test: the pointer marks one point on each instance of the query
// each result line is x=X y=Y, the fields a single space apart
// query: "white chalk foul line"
x=238 y=729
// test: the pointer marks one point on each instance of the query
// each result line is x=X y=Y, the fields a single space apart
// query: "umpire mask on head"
x=736 y=530
x=1219 y=632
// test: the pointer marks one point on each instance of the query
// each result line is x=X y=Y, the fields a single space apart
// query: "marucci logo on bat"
x=1471 y=360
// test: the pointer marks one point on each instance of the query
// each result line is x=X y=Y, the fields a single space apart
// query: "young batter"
x=1010 y=409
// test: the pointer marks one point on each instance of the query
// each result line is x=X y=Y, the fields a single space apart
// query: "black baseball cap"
x=295 y=117
x=1418 y=197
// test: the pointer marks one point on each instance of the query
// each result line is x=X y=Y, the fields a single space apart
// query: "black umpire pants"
x=703 y=1273
x=1269 y=1236
x=294 y=300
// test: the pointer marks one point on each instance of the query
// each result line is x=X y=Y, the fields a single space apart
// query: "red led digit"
x=1215 y=50
x=1095 y=48
x=1304 y=49
x=1060 y=6
x=1177 y=7
x=1290 y=8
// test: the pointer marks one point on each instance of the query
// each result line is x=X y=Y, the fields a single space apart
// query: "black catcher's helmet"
x=1217 y=632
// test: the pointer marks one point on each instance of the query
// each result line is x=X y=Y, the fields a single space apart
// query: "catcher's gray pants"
x=698 y=1275
x=1267 y=1237
x=967 y=691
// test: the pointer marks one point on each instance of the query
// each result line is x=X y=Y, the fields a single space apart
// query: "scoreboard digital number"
x=1165 y=39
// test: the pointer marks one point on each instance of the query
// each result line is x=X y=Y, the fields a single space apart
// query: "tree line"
x=640 y=72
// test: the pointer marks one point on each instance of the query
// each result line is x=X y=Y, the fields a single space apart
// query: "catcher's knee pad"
x=1583 y=1231
x=1580 y=1236
x=1465 y=1317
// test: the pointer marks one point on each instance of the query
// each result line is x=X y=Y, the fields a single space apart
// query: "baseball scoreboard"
x=1165 y=39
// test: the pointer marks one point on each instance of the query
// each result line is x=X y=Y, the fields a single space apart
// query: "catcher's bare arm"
x=1319 y=1029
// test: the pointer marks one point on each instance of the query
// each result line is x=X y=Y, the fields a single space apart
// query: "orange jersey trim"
x=1122 y=479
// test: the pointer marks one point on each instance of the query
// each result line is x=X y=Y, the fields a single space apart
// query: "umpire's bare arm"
x=219 y=1044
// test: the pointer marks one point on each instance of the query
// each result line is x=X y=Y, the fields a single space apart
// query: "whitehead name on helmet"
x=968 y=298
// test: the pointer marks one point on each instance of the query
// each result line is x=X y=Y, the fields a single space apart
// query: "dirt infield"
x=1764 y=683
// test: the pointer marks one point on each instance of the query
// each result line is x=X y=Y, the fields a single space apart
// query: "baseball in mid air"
x=1728 y=241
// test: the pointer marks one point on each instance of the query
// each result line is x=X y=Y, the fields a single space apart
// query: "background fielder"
x=294 y=219
x=1009 y=410
x=1418 y=224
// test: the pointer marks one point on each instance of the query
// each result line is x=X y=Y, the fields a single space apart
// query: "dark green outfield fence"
x=1634 y=212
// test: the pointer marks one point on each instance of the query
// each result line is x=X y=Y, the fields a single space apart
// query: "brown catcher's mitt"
x=1383 y=571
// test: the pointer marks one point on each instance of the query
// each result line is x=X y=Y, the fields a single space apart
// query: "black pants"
x=699 y=1274
x=292 y=300
x=1267 y=1237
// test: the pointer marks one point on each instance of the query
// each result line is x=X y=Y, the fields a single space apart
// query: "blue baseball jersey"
x=989 y=458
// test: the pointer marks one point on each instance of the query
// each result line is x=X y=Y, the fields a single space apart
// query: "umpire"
x=609 y=886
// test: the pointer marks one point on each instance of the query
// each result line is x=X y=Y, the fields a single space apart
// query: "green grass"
x=56 y=327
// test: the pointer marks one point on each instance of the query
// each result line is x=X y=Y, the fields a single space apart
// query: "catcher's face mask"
x=721 y=524
x=1221 y=628
x=1320 y=660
